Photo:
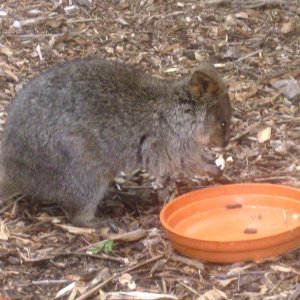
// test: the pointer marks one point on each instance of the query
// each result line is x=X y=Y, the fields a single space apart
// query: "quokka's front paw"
x=212 y=170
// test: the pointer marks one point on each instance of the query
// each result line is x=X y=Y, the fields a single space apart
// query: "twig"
x=37 y=36
x=100 y=285
x=249 y=55
x=79 y=254
x=260 y=3
x=241 y=135
x=226 y=276
x=45 y=282
x=83 y=20
x=11 y=196
x=136 y=187
x=125 y=237
x=139 y=296
x=188 y=288
x=186 y=261
x=272 y=179
x=251 y=3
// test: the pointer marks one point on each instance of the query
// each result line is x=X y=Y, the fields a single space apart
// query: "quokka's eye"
x=223 y=124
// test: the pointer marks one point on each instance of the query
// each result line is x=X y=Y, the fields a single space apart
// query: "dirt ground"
x=257 y=49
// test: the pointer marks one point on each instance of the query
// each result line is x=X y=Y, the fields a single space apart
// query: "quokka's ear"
x=206 y=81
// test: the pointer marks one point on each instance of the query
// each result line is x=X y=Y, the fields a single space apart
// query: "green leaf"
x=106 y=246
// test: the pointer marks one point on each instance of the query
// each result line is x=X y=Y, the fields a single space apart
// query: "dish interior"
x=236 y=217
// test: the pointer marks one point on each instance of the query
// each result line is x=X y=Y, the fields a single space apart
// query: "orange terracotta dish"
x=232 y=223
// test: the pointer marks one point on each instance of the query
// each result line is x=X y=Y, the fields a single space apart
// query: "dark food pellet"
x=250 y=231
x=233 y=206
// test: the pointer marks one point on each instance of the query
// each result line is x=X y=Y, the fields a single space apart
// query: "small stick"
x=271 y=178
x=79 y=254
x=225 y=276
x=188 y=288
x=102 y=284
x=82 y=20
x=249 y=55
x=186 y=261
x=127 y=237
x=48 y=282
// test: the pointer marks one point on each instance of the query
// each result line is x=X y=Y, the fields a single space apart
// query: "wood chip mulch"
x=256 y=45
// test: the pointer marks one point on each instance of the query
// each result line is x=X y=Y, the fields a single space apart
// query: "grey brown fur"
x=73 y=128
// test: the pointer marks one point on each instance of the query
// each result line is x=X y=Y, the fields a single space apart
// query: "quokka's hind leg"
x=85 y=180
x=7 y=189
x=7 y=192
x=81 y=212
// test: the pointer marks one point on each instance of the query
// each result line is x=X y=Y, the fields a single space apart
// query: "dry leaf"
x=119 y=49
x=4 y=233
x=214 y=294
x=230 y=20
x=122 y=21
x=102 y=275
x=263 y=289
x=226 y=282
x=39 y=52
x=84 y=2
x=290 y=88
x=6 y=51
x=220 y=161
x=241 y=15
x=136 y=59
x=109 y=50
x=199 y=56
x=242 y=90
x=284 y=269
x=34 y=12
x=264 y=135
x=233 y=52
x=288 y=27
x=281 y=268
x=71 y=10
x=65 y=291
x=77 y=230
x=127 y=281
x=29 y=22
x=172 y=70
x=55 y=23
x=17 y=24
x=238 y=270
x=3 y=13
x=280 y=147
x=10 y=74
x=170 y=48
x=138 y=296
x=130 y=236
